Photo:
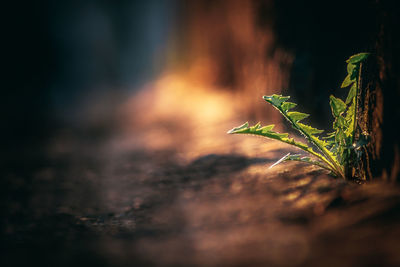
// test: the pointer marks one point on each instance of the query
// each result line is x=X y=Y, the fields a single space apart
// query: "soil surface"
x=85 y=204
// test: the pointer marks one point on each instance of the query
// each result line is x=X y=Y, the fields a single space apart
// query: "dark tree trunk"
x=379 y=101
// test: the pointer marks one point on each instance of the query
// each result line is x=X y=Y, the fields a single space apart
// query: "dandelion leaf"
x=352 y=93
x=357 y=58
x=337 y=106
x=297 y=116
x=347 y=81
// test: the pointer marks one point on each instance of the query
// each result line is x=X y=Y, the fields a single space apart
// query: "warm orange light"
x=216 y=82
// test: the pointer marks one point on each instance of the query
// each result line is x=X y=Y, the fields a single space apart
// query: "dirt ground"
x=85 y=204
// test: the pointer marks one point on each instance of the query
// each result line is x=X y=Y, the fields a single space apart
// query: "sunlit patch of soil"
x=175 y=113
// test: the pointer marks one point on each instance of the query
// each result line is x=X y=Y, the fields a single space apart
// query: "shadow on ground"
x=151 y=208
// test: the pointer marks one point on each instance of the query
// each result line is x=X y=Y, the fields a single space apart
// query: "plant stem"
x=331 y=161
x=329 y=166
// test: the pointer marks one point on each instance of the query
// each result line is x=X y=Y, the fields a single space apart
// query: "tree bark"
x=379 y=102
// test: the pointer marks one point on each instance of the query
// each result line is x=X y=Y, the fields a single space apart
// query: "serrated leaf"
x=310 y=130
x=354 y=73
x=298 y=157
x=350 y=112
x=350 y=68
x=347 y=81
x=340 y=151
x=357 y=58
x=348 y=141
x=328 y=157
x=330 y=143
x=297 y=116
x=239 y=129
x=350 y=119
x=287 y=106
x=294 y=117
x=267 y=128
x=321 y=143
x=337 y=106
x=267 y=132
x=345 y=154
x=340 y=123
x=329 y=135
x=276 y=100
x=335 y=148
x=255 y=127
x=340 y=137
x=293 y=157
x=352 y=93
x=275 y=135
x=280 y=160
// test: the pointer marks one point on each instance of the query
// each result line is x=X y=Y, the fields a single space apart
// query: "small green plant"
x=338 y=150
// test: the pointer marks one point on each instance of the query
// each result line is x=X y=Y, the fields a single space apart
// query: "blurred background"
x=73 y=64
x=89 y=81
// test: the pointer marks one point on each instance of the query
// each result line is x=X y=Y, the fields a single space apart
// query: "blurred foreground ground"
x=91 y=203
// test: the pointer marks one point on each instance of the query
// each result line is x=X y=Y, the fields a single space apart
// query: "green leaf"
x=275 y=135
x=350 y=111
x=276 y=100
x=298 y=157
x=335 y=149
x=340 y=137
x=310 y=130
x=347 y=81
x=267 y=128
x=352 y=93
x=301 y=145
x=350 y=119
x=340 y=123
x=239 y=129
x=255 y=127
x=287 y=106
x=337 y=106
x=350 y=68
x=258 y=130
x=329 y=135
x=267 y=132
x=328 y=157
x=297 y=116
x=322 y=145
x=280 y=160
x=357 y=58
x=354 y=73
x=330 y=144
